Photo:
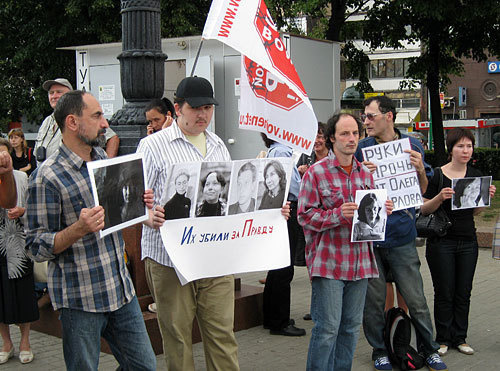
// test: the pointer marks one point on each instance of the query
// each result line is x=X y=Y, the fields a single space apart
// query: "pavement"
x=258 y=350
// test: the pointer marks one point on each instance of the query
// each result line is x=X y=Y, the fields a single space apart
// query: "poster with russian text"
x=395 y=173
x=225 y=217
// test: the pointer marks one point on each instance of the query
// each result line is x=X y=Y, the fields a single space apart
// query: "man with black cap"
x=49 y=136
x=210 y=300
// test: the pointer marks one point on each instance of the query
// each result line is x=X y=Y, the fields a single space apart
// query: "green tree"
x=448 y=31
x=33 y=30
x=329 y=21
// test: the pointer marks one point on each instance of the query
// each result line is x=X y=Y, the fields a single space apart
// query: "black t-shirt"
x=463 y=227
x=23 y=161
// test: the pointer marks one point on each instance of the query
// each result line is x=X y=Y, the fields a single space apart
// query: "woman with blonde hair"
x=22 y=156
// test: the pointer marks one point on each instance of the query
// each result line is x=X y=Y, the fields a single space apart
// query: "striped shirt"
x=329 y=252
x=90 y=275
x=162 y=149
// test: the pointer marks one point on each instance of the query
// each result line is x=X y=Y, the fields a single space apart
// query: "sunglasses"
x=370 y=116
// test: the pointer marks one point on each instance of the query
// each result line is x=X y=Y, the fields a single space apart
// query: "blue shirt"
x=91 y=274
x=280 y=150
x=400 y=224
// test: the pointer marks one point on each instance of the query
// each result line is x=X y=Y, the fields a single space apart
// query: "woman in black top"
x=22 y=156
x=452 y=259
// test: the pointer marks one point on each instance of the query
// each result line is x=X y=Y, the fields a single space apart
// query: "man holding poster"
x=210 y=300
x=339 y=269
x=398 y=252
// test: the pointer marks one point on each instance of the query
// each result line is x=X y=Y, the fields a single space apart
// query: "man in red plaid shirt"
x=339 y=269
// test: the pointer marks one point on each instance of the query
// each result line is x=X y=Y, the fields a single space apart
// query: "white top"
x=162 y=149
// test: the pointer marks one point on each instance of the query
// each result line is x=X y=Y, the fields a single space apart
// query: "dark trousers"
x=452 y=265
x=277 y=291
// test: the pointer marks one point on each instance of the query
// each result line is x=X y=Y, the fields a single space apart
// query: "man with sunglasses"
x=397 y=253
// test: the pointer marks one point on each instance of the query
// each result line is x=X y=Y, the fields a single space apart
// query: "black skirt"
x=17 y=297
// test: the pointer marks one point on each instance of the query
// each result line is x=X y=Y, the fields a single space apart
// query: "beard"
x=91 y=142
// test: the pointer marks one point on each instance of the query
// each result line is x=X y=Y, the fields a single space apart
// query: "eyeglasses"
x=370 y=116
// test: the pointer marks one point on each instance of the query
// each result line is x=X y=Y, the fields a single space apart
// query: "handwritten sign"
x=395 y=173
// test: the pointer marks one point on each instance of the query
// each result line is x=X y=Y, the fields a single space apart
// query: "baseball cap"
x=197 y=91
x=64 y=82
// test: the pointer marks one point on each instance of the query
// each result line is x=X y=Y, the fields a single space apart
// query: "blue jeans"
x=404 y=264
x=337 y=312
x=123 y=329
x=452 y=264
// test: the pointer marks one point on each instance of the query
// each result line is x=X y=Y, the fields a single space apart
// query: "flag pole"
x=196 y=59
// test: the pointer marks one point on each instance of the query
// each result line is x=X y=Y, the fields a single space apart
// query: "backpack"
x=400 y=340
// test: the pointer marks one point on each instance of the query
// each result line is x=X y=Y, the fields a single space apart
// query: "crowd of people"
x=51 y=216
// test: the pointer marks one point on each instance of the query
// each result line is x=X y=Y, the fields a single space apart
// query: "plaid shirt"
x=329 y=252
x=91 y=274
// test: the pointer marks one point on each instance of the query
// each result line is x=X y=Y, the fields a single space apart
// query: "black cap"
x=197 y=91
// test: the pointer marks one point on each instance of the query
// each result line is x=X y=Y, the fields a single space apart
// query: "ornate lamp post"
x=141 y=69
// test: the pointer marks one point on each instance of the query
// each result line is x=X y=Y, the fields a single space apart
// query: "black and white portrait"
x=181 y=190
x=243 y=191
x=214 y=185
x=273 y=185
x=470 y=192
x=118 y=185
x=370 y=219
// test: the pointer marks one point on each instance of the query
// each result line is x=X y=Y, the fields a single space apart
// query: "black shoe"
x=290 y=330
x=307 y=317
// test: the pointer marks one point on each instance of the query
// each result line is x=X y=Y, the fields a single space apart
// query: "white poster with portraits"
x=370 y=218
x=470 y=192
x=118 y=185
x=234 y=223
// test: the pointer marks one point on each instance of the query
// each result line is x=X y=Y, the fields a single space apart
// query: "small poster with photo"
x=470 y=192
x=118 y=185
x=213 y=189
x=243 y=190
x=179 y=198
x=274 y=182
x=370 y=219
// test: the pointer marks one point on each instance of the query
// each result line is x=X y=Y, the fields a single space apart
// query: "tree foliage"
x=448 y=31
x=33 y=30
x=329 y=21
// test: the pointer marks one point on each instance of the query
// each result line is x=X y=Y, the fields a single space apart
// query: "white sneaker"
x=465 y=349
x=443 y=349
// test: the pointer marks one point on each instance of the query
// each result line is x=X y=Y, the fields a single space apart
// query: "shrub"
x=485 y=159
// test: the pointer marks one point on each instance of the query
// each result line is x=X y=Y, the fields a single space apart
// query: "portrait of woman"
x=370 y=226
x=275 y=185
x=179 y=205
x=468 y=193
x=212 y=204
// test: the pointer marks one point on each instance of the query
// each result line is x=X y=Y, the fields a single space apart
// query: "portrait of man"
x=245 y=190
x=119 y=184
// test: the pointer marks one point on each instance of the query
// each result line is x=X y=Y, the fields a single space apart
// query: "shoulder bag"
x=435 y=224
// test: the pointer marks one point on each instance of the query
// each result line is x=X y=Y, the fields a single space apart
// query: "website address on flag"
x=227 y=22
x=261 y=122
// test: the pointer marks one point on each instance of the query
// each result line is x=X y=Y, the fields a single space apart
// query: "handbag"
x=435 y=224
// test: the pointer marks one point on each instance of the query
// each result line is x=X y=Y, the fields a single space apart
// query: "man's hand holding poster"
x=395 y=173
x=225 y=217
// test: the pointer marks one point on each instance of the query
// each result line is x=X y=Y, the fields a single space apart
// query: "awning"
x=405 y=116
